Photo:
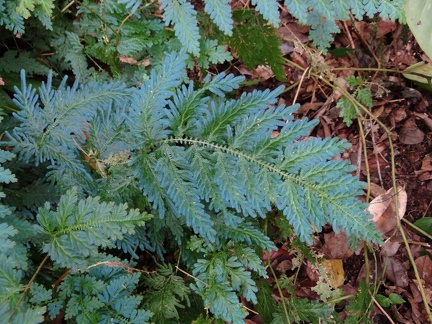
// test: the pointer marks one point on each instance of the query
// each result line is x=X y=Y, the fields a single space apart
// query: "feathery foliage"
x=95 y=171
x=206 y=166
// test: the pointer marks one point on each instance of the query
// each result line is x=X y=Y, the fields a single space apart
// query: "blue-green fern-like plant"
x=320 y=15
x=207 y=167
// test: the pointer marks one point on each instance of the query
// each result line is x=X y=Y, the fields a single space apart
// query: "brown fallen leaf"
x=424 y=266
x=336 y=246
x=425 y=118
x=375 y=271
x=383 y=210
x=396 y=272
x=410 y=134
x=263 y=73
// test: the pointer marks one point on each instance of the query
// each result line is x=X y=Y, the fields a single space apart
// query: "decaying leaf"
x=336 y=246
x=383 y=209
x=424 y=266
x=410 y=134
x=396 y=272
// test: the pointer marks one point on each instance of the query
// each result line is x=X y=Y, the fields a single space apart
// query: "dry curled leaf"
x=383 y=209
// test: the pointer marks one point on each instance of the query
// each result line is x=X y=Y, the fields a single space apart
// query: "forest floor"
x=405 y=110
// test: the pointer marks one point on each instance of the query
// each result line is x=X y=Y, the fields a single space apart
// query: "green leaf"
x=417 y=14
x=256 y=42
x=364 y=96
x=166 y=292
x=422 y=68
x=266 y=305
x=348 y=110
x=383 y=300
x=396 y=299
x=424 y=224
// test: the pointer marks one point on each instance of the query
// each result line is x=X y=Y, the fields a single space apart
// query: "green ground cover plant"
x=127 y=159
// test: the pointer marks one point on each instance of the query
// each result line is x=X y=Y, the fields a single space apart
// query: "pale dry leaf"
x=390 y=248
x=284 y=266
x=127 y=60
x=263 y=73
x=383 y=210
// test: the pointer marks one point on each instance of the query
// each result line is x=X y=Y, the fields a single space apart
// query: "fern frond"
x=75 y=230
x=220 y=12
x=26 y=314
x=103 y=295
x=211 y=53
x=49 y=127
x=26 y=7
x=10 y=18
x=221 y=83
x=183 y=16
x=302 y=309
x=322 y=32
x=256 y=42
x=14 y=61
x=131 y=5
x=247 y=233
x=6 y=176
x=166 y=293
x=147 y=111
x=391 y=9
x=214 y=125
x=184 y=106
x=299 y=9
x=148 y=181
x=220 y=276
x=176 y=178
x=269 y=9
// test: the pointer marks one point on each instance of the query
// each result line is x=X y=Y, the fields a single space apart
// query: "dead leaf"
x=375 y=271
x=384 y=27
x=425 y=118
x=410 y=134
x=424 y=266
x=336 y=246
x=284 y=266
x=383 y=210
x=294 y=31
x=312 y=271
x=131 y=61
x=396 y=272
x=376 y=190
x=263 y=73
x=335 y=272
x=399 y=114
x=390 y=248
x=426 y=164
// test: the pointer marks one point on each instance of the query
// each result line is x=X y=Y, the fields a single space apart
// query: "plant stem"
x=27 y=287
